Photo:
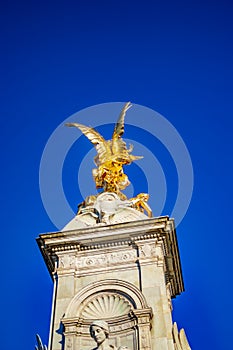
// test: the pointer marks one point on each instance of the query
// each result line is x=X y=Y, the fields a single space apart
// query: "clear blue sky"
x=58 y=57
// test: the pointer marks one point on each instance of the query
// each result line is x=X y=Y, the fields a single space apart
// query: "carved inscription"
x=98 y=260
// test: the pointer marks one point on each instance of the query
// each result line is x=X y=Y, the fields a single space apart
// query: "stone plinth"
x=125 y=274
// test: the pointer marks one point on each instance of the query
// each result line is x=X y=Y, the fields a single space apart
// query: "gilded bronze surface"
x=111 y=156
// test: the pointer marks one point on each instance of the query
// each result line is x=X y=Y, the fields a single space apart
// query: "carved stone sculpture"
x=109 y=208
x=99 y=331
x=180 y=340
x=40 y=345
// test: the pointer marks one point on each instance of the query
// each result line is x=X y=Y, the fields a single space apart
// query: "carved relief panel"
x=128 y=318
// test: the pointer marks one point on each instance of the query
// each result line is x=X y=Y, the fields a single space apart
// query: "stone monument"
x=115 y=267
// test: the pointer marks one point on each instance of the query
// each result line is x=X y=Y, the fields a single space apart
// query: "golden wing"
x=119 y=148
x=102 y=147
x=120 y=125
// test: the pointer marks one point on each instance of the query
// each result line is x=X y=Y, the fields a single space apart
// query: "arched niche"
x=117 y=302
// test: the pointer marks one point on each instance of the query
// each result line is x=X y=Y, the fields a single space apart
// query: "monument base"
x=124 y=274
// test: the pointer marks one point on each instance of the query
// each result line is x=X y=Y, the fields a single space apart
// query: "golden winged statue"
x=111 y=156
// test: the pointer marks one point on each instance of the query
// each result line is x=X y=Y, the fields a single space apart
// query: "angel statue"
x=111 y=156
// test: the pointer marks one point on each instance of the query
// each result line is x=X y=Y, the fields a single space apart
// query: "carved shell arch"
x=128 y=291
x=105 y=306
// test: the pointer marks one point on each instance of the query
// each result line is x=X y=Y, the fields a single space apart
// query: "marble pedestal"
x=125 y=274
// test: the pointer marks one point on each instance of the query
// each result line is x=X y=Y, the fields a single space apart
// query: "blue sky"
x=173 y=57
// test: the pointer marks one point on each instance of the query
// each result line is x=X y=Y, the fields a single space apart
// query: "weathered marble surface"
x=124 y=273
x=106 y=208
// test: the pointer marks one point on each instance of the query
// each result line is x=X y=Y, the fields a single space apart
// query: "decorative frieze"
x=145 y=242
x=81 y=262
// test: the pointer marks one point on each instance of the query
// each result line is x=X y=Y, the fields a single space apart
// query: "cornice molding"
x=139 y=238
